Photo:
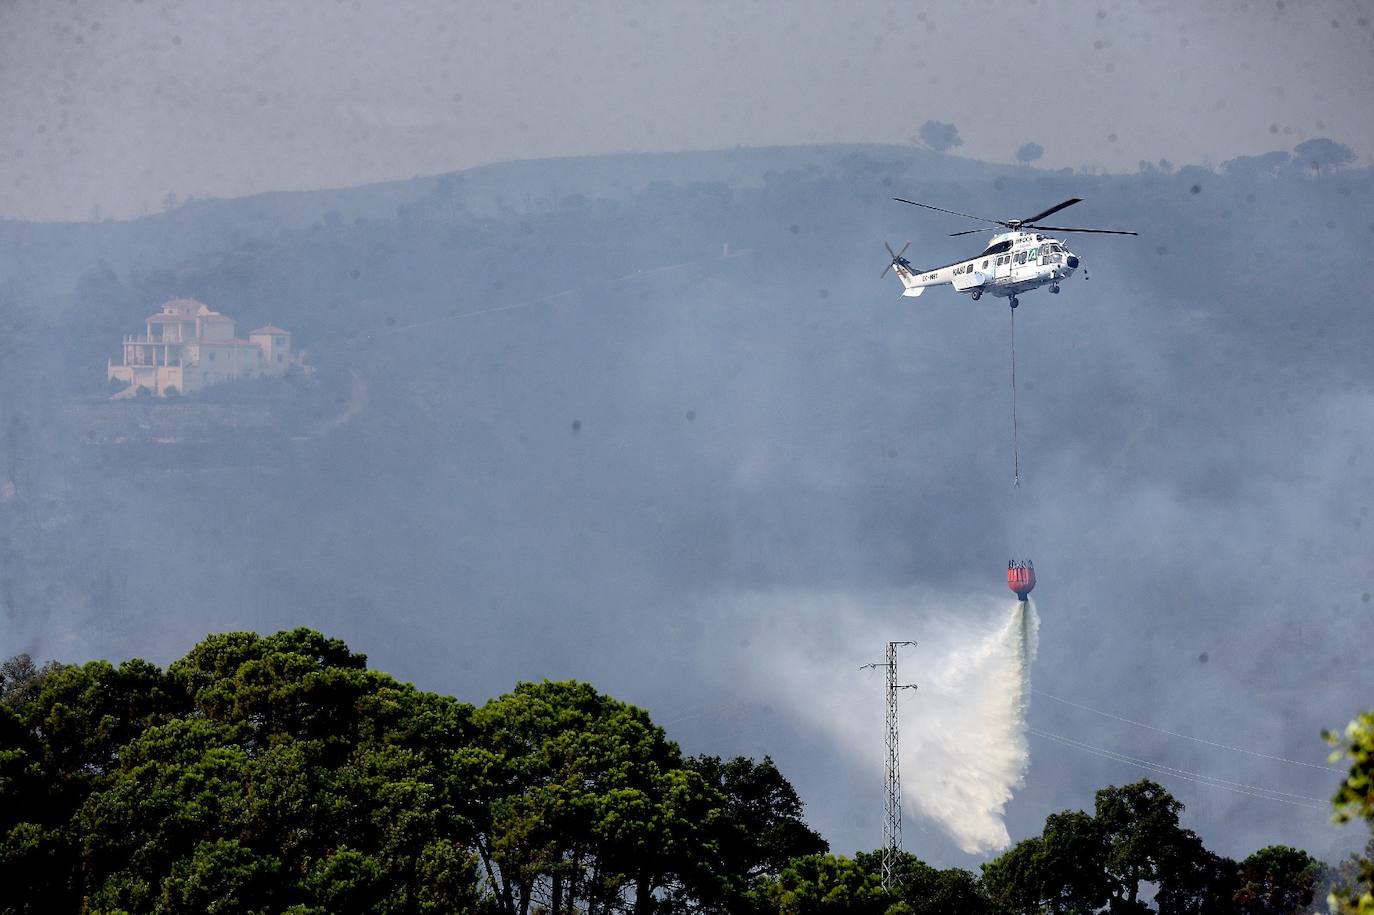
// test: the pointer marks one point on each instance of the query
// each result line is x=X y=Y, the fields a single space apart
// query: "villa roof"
x=269 y=329
x=203 y=312
x=193 y=304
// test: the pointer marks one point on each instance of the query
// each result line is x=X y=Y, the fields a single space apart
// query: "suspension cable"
x=1015 y=431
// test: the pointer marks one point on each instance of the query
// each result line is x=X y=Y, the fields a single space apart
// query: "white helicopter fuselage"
x=1013 y=263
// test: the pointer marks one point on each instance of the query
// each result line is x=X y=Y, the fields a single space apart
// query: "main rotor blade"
x=995 y=222
x=967 y=232
x=1054 y=209
x=1093 y=231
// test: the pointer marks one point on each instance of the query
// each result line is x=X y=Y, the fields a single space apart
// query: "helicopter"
x=1013 y=262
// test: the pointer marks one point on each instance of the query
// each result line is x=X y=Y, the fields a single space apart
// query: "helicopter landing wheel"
x=1055 y=289
x=1013 y=303
x=977 y=294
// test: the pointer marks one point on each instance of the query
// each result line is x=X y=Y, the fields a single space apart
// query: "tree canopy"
x=279 y=774
x=21 y=680
x=1276 y=880
x=1102 y=862
x=1323 y=152
x=1270 y=163
x=1027 y=153
x=940 y=136
x=1354 y=799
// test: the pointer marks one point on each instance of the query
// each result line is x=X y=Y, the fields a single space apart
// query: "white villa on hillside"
x=188 y=347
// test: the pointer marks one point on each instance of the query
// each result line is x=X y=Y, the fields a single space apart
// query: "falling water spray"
x=969 y=731
x=964 y=746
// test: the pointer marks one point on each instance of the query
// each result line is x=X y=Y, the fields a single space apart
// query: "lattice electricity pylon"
x=892 y=805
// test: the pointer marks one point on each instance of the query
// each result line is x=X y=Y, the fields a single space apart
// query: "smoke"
x=963 y=731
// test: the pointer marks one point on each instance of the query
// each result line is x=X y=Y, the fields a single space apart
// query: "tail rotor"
x=897 y=258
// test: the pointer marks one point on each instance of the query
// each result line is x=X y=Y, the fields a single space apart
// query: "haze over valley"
x=586 y=417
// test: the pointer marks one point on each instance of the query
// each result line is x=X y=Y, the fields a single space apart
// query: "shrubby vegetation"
x=279 y=774
x=1354 y=799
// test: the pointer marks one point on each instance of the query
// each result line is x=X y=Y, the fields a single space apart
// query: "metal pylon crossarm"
x=892 y=804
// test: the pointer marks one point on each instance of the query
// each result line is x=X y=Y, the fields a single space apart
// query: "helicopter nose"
x=1073 y=262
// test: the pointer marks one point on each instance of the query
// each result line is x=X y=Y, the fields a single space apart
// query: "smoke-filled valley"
x=572 y=418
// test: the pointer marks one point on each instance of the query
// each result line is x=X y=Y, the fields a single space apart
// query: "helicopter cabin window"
x=1021 y=257
x=985 y=265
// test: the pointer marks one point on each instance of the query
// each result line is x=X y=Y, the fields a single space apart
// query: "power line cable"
x=1256 y=791
x=1202 y=740
x=1175 y=769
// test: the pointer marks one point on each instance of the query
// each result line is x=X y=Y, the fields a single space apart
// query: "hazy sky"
x=107 y=108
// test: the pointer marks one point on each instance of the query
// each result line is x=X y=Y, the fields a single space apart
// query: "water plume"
x=963 y=732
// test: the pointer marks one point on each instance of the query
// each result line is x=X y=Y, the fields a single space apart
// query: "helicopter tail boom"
x=912 y=286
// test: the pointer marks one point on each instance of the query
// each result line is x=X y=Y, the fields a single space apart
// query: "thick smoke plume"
x=963 y=731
